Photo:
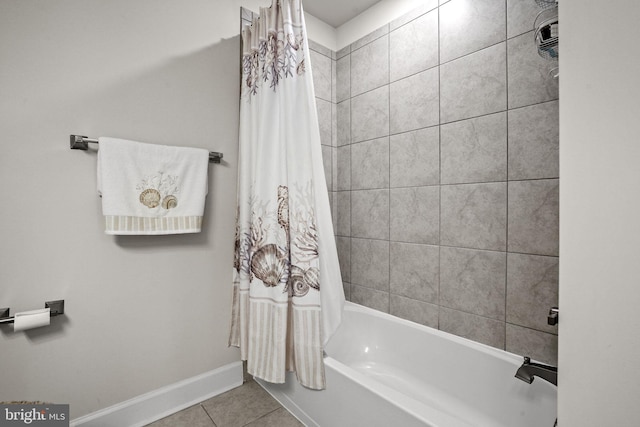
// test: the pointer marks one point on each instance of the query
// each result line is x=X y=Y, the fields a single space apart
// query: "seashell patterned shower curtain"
x=287 y=287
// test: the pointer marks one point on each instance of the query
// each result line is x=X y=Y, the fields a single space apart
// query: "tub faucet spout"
x=529 y=370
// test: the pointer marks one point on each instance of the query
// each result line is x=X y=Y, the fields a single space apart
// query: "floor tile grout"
x=262 y=416
x=208 y=415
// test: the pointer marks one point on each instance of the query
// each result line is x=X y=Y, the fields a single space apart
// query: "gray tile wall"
x=324 y=69
x=445 y=172
x=440 y=143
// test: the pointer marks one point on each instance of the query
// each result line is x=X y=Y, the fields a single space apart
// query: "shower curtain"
x=287 y=287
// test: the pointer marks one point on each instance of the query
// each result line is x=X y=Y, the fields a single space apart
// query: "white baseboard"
x=157 y=404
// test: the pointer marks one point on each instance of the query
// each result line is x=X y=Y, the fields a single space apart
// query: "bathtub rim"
x=505 y=355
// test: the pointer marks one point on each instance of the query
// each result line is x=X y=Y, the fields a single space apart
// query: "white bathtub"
x=386 y=371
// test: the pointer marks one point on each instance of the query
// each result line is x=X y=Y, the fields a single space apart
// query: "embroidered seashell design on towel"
x=170 y=202
x=150 y=198
x=151 y=189
x=159 y=187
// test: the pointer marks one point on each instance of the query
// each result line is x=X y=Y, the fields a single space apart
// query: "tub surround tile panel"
x=324 y=120
x=374 y=35
x=370 y=214
x=481 y=21
x=540 y=346
x=414 y=46
x=415 y=158
x=334 y=77
x=416 y=311
x=343 y=244
x=347 y=290
x=370 y=298
x=445 y=171
x=534 y=142
x=529 y=80
x=246 y=14
x=321 y=65
x=426 y=6
x=370 y=115
x=343 y=52
x=414 y=102
x=532 y=289
x=474 y=150
x=326 y=163
x=370 y=164
x=343 y=76
x=344 y=168
x=344 y=123
x=343 y=222
x=474 y=85
x=414 y=271
x=318 y=48
x=370 y=66
x=333 y=206
x=415 y=215
x=520 y=16
x=334 y=123
x=370 y=263
x=323 y=84
x=473 y=281
x=473 y=327
x=533 y=217
x=474 y=216
x=334 y=169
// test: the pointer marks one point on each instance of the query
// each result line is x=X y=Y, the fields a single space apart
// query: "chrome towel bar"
x=79 y=142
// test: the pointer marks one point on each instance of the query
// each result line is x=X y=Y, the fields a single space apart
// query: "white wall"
x=599 y=347
x=141 y=312
x=320 y=32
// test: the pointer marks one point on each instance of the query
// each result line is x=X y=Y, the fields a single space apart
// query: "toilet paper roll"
x=31 y=319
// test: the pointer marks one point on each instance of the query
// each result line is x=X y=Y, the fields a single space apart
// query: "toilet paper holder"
x=57 y=308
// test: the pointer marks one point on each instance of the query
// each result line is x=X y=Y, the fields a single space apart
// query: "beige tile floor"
x=248 y=405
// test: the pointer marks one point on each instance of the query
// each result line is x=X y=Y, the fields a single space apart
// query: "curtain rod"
x=79 y=142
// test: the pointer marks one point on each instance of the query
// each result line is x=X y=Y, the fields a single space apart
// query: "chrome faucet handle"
x=552 y=318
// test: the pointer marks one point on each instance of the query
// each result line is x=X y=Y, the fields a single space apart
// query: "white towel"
x=151 y=189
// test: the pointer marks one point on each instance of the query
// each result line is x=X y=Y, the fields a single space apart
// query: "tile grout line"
x=208 y=415
x=265 y=414
x=457 y=120
x=389 y=160
x=468 y=248
x=506 y=226
x=455 y=184
x=350 y=142
x=439 y=172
